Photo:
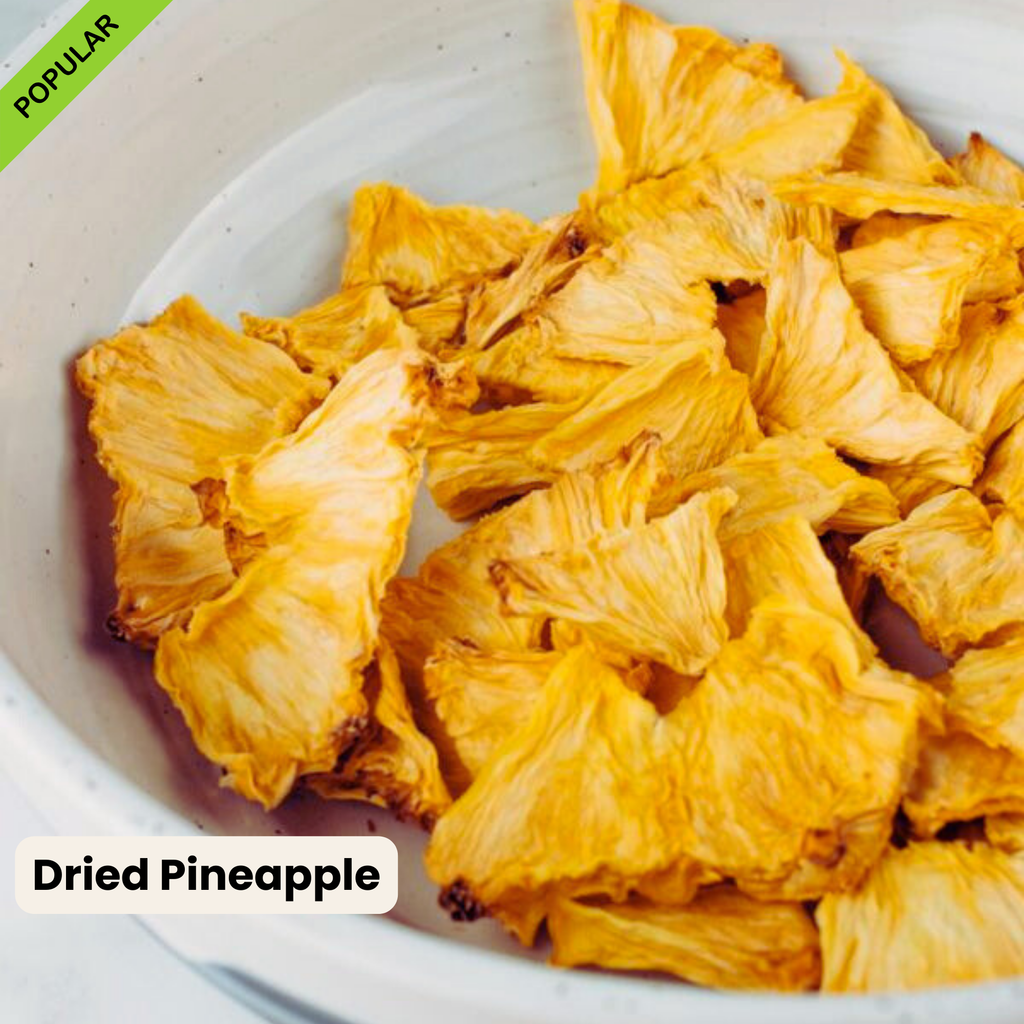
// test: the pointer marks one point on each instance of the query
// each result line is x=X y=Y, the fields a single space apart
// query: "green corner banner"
x=65 y=65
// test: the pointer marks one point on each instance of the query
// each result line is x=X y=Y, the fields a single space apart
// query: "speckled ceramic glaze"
x=216 y=156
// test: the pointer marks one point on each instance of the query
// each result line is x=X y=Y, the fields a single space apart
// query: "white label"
x=206 y=875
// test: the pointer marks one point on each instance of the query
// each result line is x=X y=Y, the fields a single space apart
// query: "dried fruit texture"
x=454 y=595
x=789 y=475
x=980 y=383
x=269 y=676
x=820 y=373
x=911 y=289
x=884 y=225
x=783 y=558
x=418 y=250
x=438 y=321
x=172 y=400
x=722 y=939
x=394 y=765
x=860 y=196
x=330 y=337
x=929 y=914
x=959 y=778
x=985 y=167
x=1006 y=832
x=598 y=792
x=661 y=97
x=956 y=568
x=1003 y=479
x=655 y=591
x=908 y=489
x=742 y=323
x=477 y=700
x=986 y=696
x=887 y=144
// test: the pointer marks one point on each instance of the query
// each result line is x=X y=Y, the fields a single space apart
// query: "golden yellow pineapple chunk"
x=329 y=337
x=790 y=474
x=885 y=225
x=1006 y=832
x=906 y=487
x=1003 y=479
x=722 y=939
x=655 y=591
x=269 y=676
x=418 y=250
x=859 y=196
x=820 y=373
x=986 y=695
x=438 y=321
x=742 y=323
x=393 y=764
x=887 y=144
x=911 y=289
x=930 y=914
x=980 y=383
x=172 y=400
x=985 y=167
x=956 y=567
x=661 y=97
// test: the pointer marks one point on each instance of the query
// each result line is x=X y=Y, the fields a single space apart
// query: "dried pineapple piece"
x=885 y=225
x=790 y=474
x=418 y=250
x=329 y=337
x=908 y=489
x=477 y=700
x=911 y=289
x=171 y=401
x=930 y=914
x=1006 y=832
x=956 y=569
x=394 y=765
x=656 y=591
x=269 y=676
x=661 y=97
x=887 y=144
x=1003 y=479
x=439 y=320
x=723 y=939
x=985 y=167
x=959 y=778
x=980 y=383
x=743 y=325
x=820 y=373
x=986 y=695
x=860 y=196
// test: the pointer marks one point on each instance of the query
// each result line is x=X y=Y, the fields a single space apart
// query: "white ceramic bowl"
x=216 y=156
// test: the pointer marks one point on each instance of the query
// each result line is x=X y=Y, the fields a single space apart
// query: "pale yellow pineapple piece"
x=930 y=914
x=393 y=765
x=821 y=373
x=722 y=939
x=909 y=489
x=269 y=676
x=956 y=567
x=661 y=97
x=1003 y=479
x=172 y=401
x=986 y=695
x=985 y=167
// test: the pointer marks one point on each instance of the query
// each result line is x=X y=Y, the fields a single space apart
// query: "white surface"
x=84 y=970
x=227 y=164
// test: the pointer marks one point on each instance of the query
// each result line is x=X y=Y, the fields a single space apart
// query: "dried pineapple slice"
x=418 y=250
x=171 y=401
x=1003 y=479
x=478 y=699
x=887 y=144
x=661 y=97
x=269 y=676
x=985 y=167
x=930 y=914
x=820 y=373
x=789 y=474
x=329 y=337
x=908 y=489
x=394 y=765
x=986 y=695
x=723 y=939
x=957 y=569
x=980 y=383
x=959 y=778
x=911 y=289
x=1006 y=832
x=656 y=591
x=885 y=225
x=439 y=320
x=860 y=196
x=743 y=325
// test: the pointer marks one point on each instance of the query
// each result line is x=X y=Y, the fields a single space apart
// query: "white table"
x=83 y=970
